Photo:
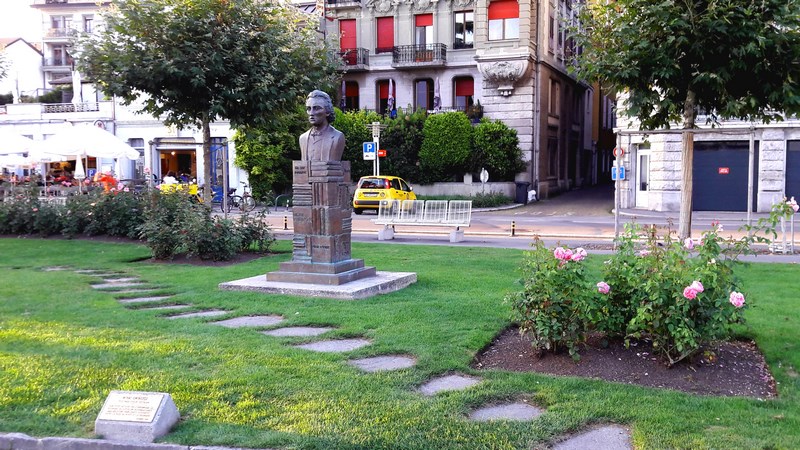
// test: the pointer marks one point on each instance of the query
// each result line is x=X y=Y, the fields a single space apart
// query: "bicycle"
x=248 y=202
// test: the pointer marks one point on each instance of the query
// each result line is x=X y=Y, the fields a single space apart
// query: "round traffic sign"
x=619 y=152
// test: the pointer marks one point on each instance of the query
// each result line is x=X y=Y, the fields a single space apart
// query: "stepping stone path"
x=383 y=363
x=611 y=437
x=135 y=291
x=90 y=271
x=54 y=268
x=447 y=383
x=250 y=321
x=207 y=313
x=121 y=280
x=144 y=299
x=512 y=411
x=335 y=346
x=298 y=331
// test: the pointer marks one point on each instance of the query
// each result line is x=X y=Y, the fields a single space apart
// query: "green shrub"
x=356 y=126
x=255 y=235
x=446 y=147
x=211 y=238
x=165 y=228
x=18 y=214
x=496 y=148
x=78 y=215
x=402 y=140
x=47 y=219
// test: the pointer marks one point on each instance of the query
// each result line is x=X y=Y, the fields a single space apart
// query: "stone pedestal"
x=322 y=227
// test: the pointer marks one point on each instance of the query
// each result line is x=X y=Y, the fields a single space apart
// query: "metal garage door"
x=720 y=176
x=793 y=169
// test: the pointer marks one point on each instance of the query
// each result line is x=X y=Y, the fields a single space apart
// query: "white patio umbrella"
x=77 y=92
x=14 y=161
x=88 y=140
x=80 y=173
x=13 y=143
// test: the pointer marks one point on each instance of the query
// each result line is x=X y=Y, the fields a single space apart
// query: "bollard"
x=513 y=228
x=285 y=222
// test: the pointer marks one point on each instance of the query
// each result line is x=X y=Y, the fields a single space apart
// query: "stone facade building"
x=508 y=56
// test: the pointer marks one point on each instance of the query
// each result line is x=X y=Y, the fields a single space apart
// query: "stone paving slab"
x=298 y=331
x=448 y=383
x=135 y=291
x=610 y=437
x=335 y=346
x=164 y=308
x=90 y=271
x=55 y=268
x=249 y=321
x=383 y=363
x=121 y=280
x=510 y=411
x=144 y=299
x=206 y=313
x=381 y=283
x=116 y=285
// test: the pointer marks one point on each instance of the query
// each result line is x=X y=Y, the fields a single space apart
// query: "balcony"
x=58 y=63
x=412 y=56
x=353 y=59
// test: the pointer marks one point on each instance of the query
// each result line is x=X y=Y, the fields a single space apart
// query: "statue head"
x=325 y=99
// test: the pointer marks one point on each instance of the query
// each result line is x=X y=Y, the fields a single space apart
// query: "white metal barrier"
x=453 y=213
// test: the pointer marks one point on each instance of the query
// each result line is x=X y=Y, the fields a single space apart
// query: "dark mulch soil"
x=184 y=259
x=738 y=368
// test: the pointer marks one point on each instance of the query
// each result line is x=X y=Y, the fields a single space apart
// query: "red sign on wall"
x=724 y=170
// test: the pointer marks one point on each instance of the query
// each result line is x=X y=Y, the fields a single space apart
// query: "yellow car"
x=372 y=189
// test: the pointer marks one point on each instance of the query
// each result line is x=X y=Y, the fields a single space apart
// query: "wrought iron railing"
x=58 y=61
x=69 y=107
x=354 y=56
x=415 y=54
x=341 y=2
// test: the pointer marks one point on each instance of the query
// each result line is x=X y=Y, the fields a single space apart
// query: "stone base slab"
x=333 y=274
x=381 y=283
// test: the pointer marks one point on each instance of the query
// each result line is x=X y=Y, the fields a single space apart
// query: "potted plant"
x=475 y=112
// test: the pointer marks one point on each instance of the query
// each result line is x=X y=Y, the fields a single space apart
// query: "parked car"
x=372 y=189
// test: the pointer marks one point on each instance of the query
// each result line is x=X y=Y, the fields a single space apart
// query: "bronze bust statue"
x=322 y=142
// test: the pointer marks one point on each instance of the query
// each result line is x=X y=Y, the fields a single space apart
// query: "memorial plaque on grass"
x=136 y=416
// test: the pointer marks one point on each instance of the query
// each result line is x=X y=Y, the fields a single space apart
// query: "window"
x=423 y=29
x=60 y=55
x=554 y=105
x=385 y=31
x=137 y=166
x=60 y=24
x=464 y=29
x=423 y=94
x=351 y=100
x=87 y=23
x=503 y=20
x=347 y=41
x=552 y=151
x=464 y=89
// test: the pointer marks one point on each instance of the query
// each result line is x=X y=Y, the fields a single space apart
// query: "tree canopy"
x=192 y=62
x=673 y=58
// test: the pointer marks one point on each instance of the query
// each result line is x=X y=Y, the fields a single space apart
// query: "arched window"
x=503 y=20
x=464 y=91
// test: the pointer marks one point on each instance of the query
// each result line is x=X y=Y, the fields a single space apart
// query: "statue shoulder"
x=336 y=132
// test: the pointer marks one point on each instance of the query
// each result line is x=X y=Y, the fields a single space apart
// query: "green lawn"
x=64 y=346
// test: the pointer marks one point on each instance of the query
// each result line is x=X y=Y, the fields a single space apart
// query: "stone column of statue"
x=321 y=205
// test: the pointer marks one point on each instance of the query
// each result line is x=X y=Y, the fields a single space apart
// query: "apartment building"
x=161 y=148
x=509 y=56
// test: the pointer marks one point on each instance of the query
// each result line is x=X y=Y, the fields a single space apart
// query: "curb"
x=20 y=441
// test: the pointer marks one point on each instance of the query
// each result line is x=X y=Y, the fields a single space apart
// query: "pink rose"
x=564 y=254
x=579 y=254
x=603 y=287
x=737 y=299
x=689 y=293
x=793 y=204
x=688 y=243
x=644 y=252
x=697 y=286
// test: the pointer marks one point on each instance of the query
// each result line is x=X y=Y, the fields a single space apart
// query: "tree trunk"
x=207 y=181
x=687 y=157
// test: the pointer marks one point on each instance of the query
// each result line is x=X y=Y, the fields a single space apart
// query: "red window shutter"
x=465 y=87
x=383 y=89
x=385 y=32
x=347 y=33
x=424 y=20
x=503 y=9
x=351 y=89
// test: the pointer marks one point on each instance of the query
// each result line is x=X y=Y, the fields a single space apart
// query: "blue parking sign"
x=617 y=175
x=370 y=150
